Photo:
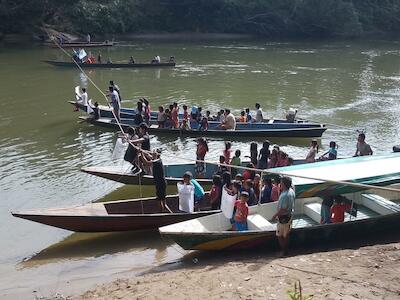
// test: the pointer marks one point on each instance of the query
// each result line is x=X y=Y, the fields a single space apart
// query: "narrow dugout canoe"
x=71 y=64
x=123 y=215
x=81 y=44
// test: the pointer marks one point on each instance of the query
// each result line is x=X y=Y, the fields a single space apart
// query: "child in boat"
x=202 y=149
x=216 y=192
x=204 y=124
x=221 y=169
x=235 y=162
x=185 y=113
x=338 y=209
x=248 y=188
x=241 y=212
x=276 y=189
x=161 y=117
x=242 y=118
x=310 y=158
x=331 y=154
x=266 y=190
x=184 y=125
x=227 y=152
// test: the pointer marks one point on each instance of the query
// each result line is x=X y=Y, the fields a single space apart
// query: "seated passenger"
x=131 y=60
x=229 y=122
x=241 y=212
x=242 y=118
x=204 y=124
x=339 y=208
x=184 y=125
x=109 y=61
x=331 y=154
x=312 y=152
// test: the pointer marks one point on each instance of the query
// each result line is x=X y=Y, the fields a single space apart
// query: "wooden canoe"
x=173 y=173
x=81 y=44
x=374 y=215
x=266 y=130
x=123 y=215
x=71 y=64
x=128 y=113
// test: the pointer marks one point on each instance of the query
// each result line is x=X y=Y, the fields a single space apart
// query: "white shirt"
x=230 y=121
x=259 y=115
x=158 y=58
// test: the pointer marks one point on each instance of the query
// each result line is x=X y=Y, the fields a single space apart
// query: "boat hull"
x=108 y=66
x=80 y=45
x=315 y=235
x=273 y=132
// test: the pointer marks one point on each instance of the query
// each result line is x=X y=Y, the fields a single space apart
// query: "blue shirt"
x=286 y=201
x=266 y=194
x=198 y=189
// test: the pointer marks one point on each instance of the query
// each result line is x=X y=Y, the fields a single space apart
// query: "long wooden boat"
x=173 y=173
x=81 y=44
x=123 y=215
x=71 y=64
x=287 y=130
x=375 y=214
x=128 y=113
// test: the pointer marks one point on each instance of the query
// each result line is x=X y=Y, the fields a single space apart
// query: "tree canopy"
x=283 y=18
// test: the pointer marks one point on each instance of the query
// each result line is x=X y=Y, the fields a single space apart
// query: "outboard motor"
x=291 y=115
x=396 y=148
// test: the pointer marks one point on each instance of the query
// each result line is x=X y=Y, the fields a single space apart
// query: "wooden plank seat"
x=313 y=210
x=379 y=204
x=258 y=222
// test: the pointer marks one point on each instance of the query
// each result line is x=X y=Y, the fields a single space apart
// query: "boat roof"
x=348 y=169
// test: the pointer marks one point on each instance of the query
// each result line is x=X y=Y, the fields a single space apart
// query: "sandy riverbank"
x=370 y=272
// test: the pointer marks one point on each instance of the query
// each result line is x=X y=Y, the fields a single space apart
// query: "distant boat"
x=373 y=214
x=173 y=173
x=71 y=64
x=81 y=44
x=123 y=215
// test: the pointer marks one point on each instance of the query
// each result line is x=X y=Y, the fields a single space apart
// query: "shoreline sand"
x=367 y=272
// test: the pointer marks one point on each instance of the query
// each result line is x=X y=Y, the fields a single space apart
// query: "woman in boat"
x=202 y=149
x=242 y=118
x=273 y=161
x=310 y=158
x=331 y=154
x=185 y=113
x=284 y=213
x=174 y=115
x=216 y=192
x=147 y=110
x=264 y=156
x=227 y=153
x=154 y=160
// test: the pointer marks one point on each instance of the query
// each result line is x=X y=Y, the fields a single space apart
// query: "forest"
x=270 y=18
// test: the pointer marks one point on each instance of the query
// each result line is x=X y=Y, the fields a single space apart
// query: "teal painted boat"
x=378 y=170
x=371 y=214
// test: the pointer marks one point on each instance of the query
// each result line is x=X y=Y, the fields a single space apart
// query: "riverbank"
x=369 y=272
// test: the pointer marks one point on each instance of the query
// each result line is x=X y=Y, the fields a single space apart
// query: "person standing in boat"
x=154 y=160
x=99 y=58
x=174 y=115
x=116 y=87
x=147 y=111
x=88 y=38
x=284 y=213
x=264 y=156
x=259 y=115
x=202 y=149
x=82 y=99
x=363 y=148
x=115 y=102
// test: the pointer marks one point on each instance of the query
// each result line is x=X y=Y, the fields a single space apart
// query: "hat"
x=244 y=193
x=188 y=174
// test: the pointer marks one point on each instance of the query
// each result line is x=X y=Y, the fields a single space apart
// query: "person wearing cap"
x=241 y=211
x=284 y=213
x=362 y=147
x=154 y=160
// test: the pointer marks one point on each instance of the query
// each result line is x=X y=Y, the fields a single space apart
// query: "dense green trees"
x=283 y=18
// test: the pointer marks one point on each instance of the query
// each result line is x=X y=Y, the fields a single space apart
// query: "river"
x=353 y=84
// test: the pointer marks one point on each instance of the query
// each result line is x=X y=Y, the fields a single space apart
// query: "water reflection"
x=89 y=245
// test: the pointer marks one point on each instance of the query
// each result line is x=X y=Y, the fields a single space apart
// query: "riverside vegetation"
x=271 y=18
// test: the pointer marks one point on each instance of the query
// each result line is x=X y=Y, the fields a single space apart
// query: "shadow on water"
x=87 y=245
x=201 y=259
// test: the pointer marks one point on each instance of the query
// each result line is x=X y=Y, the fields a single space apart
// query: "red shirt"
x=185 y=115
x=275 y=192
x=337 y=212
x=215 y=193
x=246 y=175
x=227 y=154
x=242 y=211
x=174 y=117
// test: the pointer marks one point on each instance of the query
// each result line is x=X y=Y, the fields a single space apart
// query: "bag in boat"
x=186 y=197
x=227 y=203
x=119 y=149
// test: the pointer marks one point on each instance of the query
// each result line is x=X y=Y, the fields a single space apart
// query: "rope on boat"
x=268 y=171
